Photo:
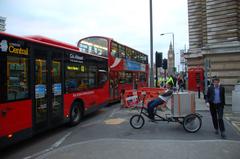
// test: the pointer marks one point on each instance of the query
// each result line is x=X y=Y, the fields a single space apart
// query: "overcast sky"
x=126 y=21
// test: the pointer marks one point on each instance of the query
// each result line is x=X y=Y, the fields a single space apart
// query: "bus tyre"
x=137 y=121
x=75 y=114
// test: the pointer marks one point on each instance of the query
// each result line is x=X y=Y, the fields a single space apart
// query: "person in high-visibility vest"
x=161 y=82
x=170 y=80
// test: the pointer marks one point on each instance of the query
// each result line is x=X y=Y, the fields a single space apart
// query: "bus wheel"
x=76 y=114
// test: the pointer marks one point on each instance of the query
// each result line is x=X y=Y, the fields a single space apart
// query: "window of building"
x=17 y=78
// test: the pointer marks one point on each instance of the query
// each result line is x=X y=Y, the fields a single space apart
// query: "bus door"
x=47 y=103
x=114 y=85
x=56 y=87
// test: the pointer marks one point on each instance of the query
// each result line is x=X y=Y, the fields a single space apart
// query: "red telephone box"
x=195 y=78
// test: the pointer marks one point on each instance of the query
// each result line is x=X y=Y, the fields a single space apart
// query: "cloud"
x=127 y=21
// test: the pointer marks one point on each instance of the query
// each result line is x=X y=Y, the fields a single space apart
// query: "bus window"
x=129 y=77
x=102 y=77
x=94 y=45
x=84 y=47
x=142 y=77
x=122 y=78
x=92 y=76
x=114 y=50
x=145 y=59
x=76 y=78
x=134 y=55
x=128 y=53
x=122 y=51
x=17 y=81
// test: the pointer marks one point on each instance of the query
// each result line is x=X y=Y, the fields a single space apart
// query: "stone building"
x=171 y=60
x=214 y=35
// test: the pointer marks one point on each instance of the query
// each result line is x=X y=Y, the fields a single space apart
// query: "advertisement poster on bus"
x=40 y=91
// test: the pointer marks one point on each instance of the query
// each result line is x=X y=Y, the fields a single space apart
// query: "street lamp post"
x=151 y=46
x=173 y=43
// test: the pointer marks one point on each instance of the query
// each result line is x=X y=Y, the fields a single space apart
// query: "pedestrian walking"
x=216 y=100
x=180 y=83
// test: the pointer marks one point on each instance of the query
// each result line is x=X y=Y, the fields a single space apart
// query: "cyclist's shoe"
x=152 y=119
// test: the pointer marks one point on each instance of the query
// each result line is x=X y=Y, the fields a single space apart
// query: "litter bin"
x=236 y=98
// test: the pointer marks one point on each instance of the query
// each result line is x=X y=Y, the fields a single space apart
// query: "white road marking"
x=59 y=142
x=54 y=146
x=113 y=112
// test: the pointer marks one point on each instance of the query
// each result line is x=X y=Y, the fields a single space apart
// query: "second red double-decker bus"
x=128 y=68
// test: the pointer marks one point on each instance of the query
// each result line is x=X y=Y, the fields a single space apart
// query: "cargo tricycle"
x=182 y=111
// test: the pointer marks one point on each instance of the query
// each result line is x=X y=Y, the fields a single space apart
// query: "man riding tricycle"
x=182 y=110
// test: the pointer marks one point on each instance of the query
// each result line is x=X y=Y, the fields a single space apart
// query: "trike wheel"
x=137 y=121
x=192 y=123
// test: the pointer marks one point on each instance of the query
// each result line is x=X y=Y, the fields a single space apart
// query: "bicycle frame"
x=161 y=118
x=191 y=122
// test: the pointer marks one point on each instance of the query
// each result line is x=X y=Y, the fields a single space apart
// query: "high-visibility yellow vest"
x=170 y=79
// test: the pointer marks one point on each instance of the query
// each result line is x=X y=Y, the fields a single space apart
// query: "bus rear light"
x=10 y=136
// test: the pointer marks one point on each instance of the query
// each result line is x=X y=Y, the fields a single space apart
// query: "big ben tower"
x=171 y=60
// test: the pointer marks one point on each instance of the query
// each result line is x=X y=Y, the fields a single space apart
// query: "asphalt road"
x=107 y=134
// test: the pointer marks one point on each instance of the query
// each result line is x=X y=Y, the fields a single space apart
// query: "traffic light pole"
x=165 y=76
x=156 y=76
x=158 y=63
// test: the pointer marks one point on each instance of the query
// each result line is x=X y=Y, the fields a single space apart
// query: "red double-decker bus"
x=45 y=83
x=128 y=68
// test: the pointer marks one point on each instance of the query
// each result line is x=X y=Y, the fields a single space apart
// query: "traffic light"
x=174 y=69
x=164 y=64
x=158 y=59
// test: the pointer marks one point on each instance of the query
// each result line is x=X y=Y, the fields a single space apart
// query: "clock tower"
x=171 y=60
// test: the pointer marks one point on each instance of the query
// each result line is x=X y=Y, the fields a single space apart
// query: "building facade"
x=214 y=36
